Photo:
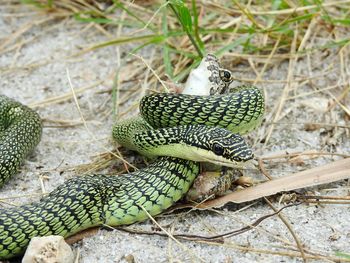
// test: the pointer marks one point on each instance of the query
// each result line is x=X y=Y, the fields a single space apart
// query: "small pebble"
x=50 y=249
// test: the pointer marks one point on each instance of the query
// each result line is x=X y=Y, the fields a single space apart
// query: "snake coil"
x=93 y=200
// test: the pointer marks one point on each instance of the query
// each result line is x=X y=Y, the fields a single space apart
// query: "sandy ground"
x=35 y=67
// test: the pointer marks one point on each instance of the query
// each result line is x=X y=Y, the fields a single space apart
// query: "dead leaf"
x=335 y=171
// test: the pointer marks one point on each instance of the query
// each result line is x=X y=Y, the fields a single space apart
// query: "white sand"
x=37 y=70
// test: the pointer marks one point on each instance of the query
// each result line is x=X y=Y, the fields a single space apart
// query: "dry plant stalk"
x=335 y=171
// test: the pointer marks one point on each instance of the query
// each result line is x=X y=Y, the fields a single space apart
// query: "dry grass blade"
x=335 y=171
x=167 y=233
x=64 y=97
x=85 y=124
x=289 y=227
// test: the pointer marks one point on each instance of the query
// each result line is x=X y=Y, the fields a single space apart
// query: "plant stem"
x=194 y=43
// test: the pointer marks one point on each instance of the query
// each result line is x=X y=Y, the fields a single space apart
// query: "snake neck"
x=136 y=134
x=166 y=142
x=190 y=142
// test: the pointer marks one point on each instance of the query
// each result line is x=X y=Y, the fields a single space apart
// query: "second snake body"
x=238 y=112
x=20 y=132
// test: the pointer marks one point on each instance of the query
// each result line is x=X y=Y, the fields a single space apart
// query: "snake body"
x=93 y=200
x=20 y=132
x=238 y=112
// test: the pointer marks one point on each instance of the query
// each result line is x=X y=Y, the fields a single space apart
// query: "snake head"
x=219 y=146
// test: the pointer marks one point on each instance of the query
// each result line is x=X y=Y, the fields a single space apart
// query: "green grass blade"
x=124 y=40
x=182 y=13
x=136 y=17
x=196 y=27
x=153 y=41
x=115 y=95
x=238 y=42
x=35 y=3
x=166 y=51
x=343 y=255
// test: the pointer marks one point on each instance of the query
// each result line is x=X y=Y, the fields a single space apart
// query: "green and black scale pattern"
x=20 y=132
x=239 y=112
x=93 y=200
x=144 y=139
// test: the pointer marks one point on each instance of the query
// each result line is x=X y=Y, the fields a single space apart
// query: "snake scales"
x=93 y=200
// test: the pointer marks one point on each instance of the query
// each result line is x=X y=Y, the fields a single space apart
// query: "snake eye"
x=218 y=149
x=225 y=75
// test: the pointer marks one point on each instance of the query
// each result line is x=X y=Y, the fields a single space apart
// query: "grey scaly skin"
x=20 y=132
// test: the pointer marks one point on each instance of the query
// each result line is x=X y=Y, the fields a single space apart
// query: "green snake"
x=178 y=126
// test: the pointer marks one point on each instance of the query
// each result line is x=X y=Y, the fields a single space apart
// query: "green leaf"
x=342 y=21
x=87 y=17
x=184 y=14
